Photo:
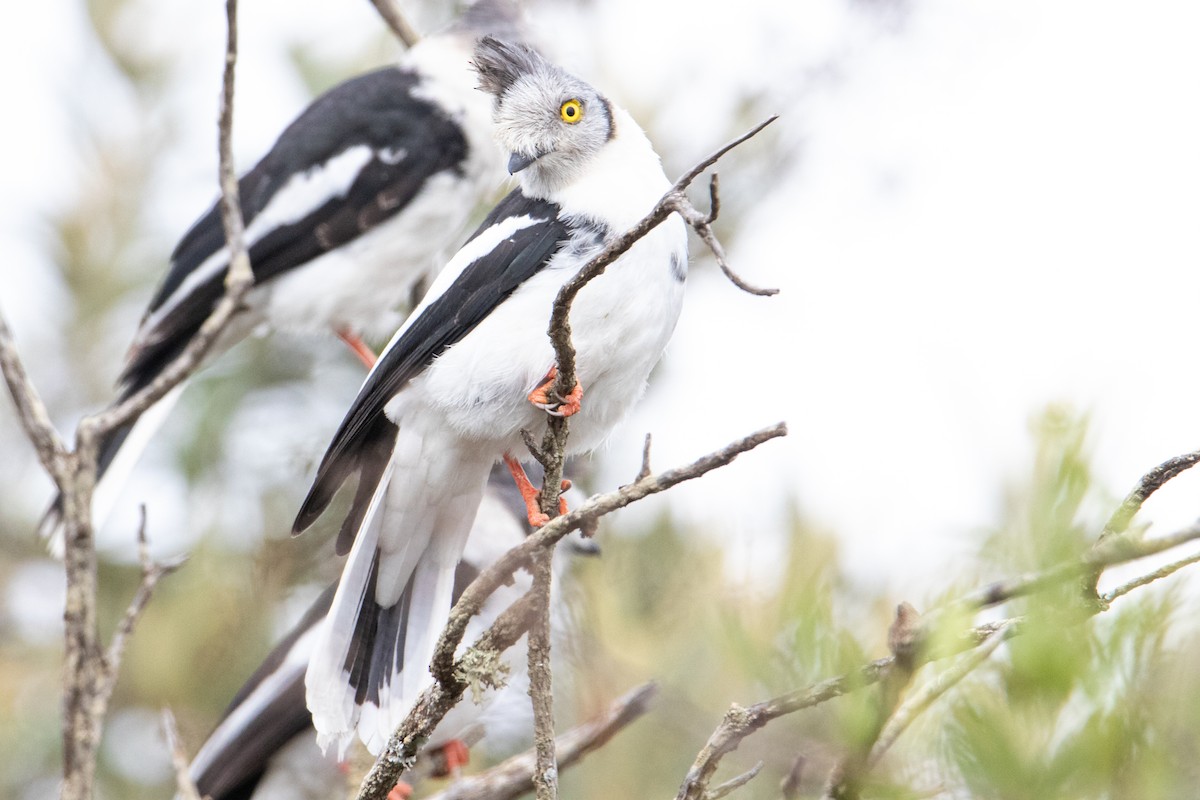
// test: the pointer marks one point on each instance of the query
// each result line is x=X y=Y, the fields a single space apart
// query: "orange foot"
x=455 y=755
x=532 y=495
x=560 y=406
x=401 y=791
x=364 y=353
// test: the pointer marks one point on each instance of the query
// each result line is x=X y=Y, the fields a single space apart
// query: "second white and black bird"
x=450 y=394
x=265 y=748
x=347 y=217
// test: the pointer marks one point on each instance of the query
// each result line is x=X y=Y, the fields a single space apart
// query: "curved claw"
x=559 y=406
x=562 y=501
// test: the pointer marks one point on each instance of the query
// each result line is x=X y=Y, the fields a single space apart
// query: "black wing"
x=234 y=771
x=378 y=110
x=364 y=440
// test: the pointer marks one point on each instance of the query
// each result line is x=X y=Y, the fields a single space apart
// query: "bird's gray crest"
x=501 y=63
x=550 y=122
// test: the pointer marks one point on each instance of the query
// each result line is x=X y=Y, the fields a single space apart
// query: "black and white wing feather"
x=355 y=158
x=265 y=715
x=346 y=218
x=525 y=233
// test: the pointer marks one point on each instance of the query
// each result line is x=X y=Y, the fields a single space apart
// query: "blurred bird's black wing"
x=369 y=145
x=233 y=760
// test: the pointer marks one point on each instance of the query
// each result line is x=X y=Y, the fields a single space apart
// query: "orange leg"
x=456 y=755
x=401 y=791
x=364 y=353
x=565 y=406
x=531 y=495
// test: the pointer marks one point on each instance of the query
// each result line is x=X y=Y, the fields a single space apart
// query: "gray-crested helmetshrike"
x=456 y=385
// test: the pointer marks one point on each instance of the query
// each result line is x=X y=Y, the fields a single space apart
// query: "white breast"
x=621 y=322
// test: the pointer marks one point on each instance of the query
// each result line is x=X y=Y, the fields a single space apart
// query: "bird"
x=346 y=218
x=264 y=746
x=466 y=373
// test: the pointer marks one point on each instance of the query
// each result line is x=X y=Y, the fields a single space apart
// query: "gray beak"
x=519 y=161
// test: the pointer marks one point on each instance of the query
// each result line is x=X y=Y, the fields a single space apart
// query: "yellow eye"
x=571 y=112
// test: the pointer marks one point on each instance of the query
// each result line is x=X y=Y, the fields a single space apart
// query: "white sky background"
x=993 y=207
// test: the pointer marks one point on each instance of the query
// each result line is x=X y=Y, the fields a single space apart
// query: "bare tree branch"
x=915 y=705
x=734 y=783
x=393 y=15
x=702 y=223
x=90 y=670
x=595 y=507
x=152 y=573
x=1149 y=483
x=1158 y=574
x=432 y=705
x=184 y=784
x=789 y=787
x=1120 y=520
x=30 y=409
x=905 y=641
x=1114 y=550
x=645 y=471
x=551 y=453
x=514 y=777
x=238 y=280
x=545 y=776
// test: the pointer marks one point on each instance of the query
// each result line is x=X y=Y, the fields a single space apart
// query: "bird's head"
x=550 y=122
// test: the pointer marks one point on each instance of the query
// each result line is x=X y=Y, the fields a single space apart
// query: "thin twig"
x=789 y=787
x=905 y=640
x=393 y=15
x=1149 y=483
x=702 y=223
x=152 y=573
x=184 y=784
x=30 y=409
x=239 y=277
x=737 y=782
x=929 y=693
x=1158 y=574
x=1115 y=550
x=1120 y=520
x=514 y=777
x=644 y=472
x=239 y=274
